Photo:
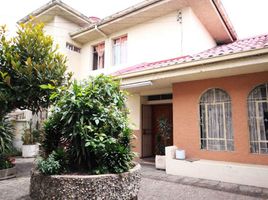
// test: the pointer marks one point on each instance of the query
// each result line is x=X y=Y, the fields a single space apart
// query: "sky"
x=249 y=17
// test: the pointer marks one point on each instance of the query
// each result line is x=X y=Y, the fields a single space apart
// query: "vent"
x=160 y=97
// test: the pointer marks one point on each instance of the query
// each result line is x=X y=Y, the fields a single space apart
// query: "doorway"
x=151 y=114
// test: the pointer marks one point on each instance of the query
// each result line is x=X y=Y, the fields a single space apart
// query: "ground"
x=155 y=185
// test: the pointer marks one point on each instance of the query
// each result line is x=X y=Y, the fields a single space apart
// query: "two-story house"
x=180 y=60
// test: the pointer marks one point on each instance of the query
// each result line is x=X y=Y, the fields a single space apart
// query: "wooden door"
x=147 y=150
x=161 y=111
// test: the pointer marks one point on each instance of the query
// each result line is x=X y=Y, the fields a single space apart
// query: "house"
x=180 y=60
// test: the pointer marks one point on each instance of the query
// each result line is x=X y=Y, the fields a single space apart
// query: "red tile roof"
x=258 y=42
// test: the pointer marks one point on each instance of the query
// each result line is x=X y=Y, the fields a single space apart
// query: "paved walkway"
x=156 y=185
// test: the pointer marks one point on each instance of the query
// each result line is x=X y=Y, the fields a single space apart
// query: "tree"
x=30 y=69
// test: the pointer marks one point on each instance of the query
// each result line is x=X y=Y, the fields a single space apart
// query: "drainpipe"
x=100 y=31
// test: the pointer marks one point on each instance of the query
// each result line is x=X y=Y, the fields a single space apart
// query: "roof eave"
x=190 y=64
x=38 y=12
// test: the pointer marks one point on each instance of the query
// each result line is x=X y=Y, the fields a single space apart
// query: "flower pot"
x=180 y=154
x=30 y=151
x=8 y=173
x=107 y=186
x=160 y=162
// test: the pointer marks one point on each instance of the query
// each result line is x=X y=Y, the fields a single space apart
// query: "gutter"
x=118 y=15
x=100 y=31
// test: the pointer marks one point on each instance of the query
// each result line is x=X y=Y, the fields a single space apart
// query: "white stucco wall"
x=195 y=37
x=59 y=28
x=134 y=106
x=158 y=39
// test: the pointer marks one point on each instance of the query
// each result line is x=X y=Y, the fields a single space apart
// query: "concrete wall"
x=158 y=39
x=186 y=117
x=245 y=174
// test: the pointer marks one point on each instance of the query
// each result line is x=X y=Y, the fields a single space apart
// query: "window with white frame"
x=98 y=56
x=258 y=119
x=216 y=121
x=120 y=50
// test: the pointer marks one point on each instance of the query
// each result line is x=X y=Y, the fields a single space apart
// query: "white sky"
x=249 y=17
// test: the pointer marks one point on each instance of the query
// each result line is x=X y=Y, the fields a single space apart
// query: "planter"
x=180 y=154
x=8 y=173
x=106 y=186
x=30 y=151
x=160 y=162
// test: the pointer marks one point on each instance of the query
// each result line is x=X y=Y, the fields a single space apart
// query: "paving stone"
x=228 y=187
x=189 y=180
x=250 y=190
x=265 y=192
x=207 y=183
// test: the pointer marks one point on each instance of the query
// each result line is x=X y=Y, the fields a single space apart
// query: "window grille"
x=258 y=119
x=216 y=121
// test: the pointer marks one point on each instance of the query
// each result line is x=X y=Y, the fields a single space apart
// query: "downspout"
x=100 y=31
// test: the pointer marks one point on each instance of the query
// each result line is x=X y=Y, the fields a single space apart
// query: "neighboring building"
x=179 y=59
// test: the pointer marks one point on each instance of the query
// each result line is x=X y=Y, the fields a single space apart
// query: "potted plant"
x=7 y=164
x=162 y=139
x=87 y=145
x=30 y=138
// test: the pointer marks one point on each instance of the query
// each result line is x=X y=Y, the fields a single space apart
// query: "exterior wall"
x=134 y=106
x=186 y=117
x=154 y=40
x=59 y=28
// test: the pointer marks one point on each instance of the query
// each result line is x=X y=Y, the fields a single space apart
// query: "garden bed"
x=8 y=173
x=107 y=186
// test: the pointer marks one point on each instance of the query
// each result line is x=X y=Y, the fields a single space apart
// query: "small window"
x=258 y=119
x=160 y=97
x=216 y=121
x=98 y=56
x=120 y=50
x=73 y=47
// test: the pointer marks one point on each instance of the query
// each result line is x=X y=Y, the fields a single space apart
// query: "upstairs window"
x=73 y=47
x=98 y=56
x=258 y=119
x=120 y=50
x=216 y=121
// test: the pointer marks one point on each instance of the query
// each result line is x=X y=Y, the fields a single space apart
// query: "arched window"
x=216 y=121
x=258 y=119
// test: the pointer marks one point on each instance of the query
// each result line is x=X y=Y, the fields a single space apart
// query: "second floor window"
x=120 y=50
x=98 y=56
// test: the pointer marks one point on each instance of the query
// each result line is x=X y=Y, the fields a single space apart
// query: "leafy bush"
x=27 y=62
x=90 y=121
x=54 y=164
x=5 y=162
x=6 y=136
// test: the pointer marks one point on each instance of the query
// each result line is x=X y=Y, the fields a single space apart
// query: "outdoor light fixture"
x=138 y=84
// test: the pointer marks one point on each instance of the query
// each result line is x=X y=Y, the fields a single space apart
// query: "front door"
x=161 y=112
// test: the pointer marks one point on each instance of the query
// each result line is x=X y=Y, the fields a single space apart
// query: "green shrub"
x=6 y=136
x=54 y=164
x=90 y=121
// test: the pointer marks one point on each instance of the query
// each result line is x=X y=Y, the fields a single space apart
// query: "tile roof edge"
x=51 y=4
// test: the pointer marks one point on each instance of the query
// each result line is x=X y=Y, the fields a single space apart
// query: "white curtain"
x=216 y=121
x=258 y=119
